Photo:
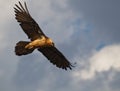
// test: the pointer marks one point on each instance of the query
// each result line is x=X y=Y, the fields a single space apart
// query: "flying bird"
x=38 y=40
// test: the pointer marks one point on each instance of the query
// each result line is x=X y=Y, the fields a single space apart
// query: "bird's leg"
x=29 y=46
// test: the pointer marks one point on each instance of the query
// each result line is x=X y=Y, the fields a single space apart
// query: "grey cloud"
x=34 y=72
x=115 y=84
x=103 y=14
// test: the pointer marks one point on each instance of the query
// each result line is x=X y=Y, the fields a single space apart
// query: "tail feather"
x=21 y=50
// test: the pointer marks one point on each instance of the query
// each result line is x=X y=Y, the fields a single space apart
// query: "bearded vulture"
x=38 y=40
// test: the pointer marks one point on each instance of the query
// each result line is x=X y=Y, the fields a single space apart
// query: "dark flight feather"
x=28 y=24
x=55 y=57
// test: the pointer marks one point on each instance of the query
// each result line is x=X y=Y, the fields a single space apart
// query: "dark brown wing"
x=28 y=24
x=55 y=57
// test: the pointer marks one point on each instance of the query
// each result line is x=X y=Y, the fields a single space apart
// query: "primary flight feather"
x=38 y=39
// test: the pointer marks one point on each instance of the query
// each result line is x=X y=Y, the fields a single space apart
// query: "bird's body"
x=38 y=39
x=40 y=42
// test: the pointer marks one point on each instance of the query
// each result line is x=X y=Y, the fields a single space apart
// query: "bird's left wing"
x=28 y=24
x=55 y=57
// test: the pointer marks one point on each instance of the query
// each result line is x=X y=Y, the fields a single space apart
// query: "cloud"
x=1 y=73
x=101 y=15
x=103 y=60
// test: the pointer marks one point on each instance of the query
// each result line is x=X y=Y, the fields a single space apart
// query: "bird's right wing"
x=55 y=57
x=28 y=24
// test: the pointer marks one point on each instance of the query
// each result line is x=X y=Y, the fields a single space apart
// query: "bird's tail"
x=21 y=50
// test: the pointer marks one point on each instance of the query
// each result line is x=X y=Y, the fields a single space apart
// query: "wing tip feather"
x=19 y=8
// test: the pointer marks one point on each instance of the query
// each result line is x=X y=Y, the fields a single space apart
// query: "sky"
x=85 y=31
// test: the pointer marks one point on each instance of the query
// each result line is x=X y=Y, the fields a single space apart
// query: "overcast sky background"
x=85 y=31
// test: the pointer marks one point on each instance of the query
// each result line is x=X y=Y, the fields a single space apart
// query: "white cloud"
x=6 y=9
x=104 y=60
